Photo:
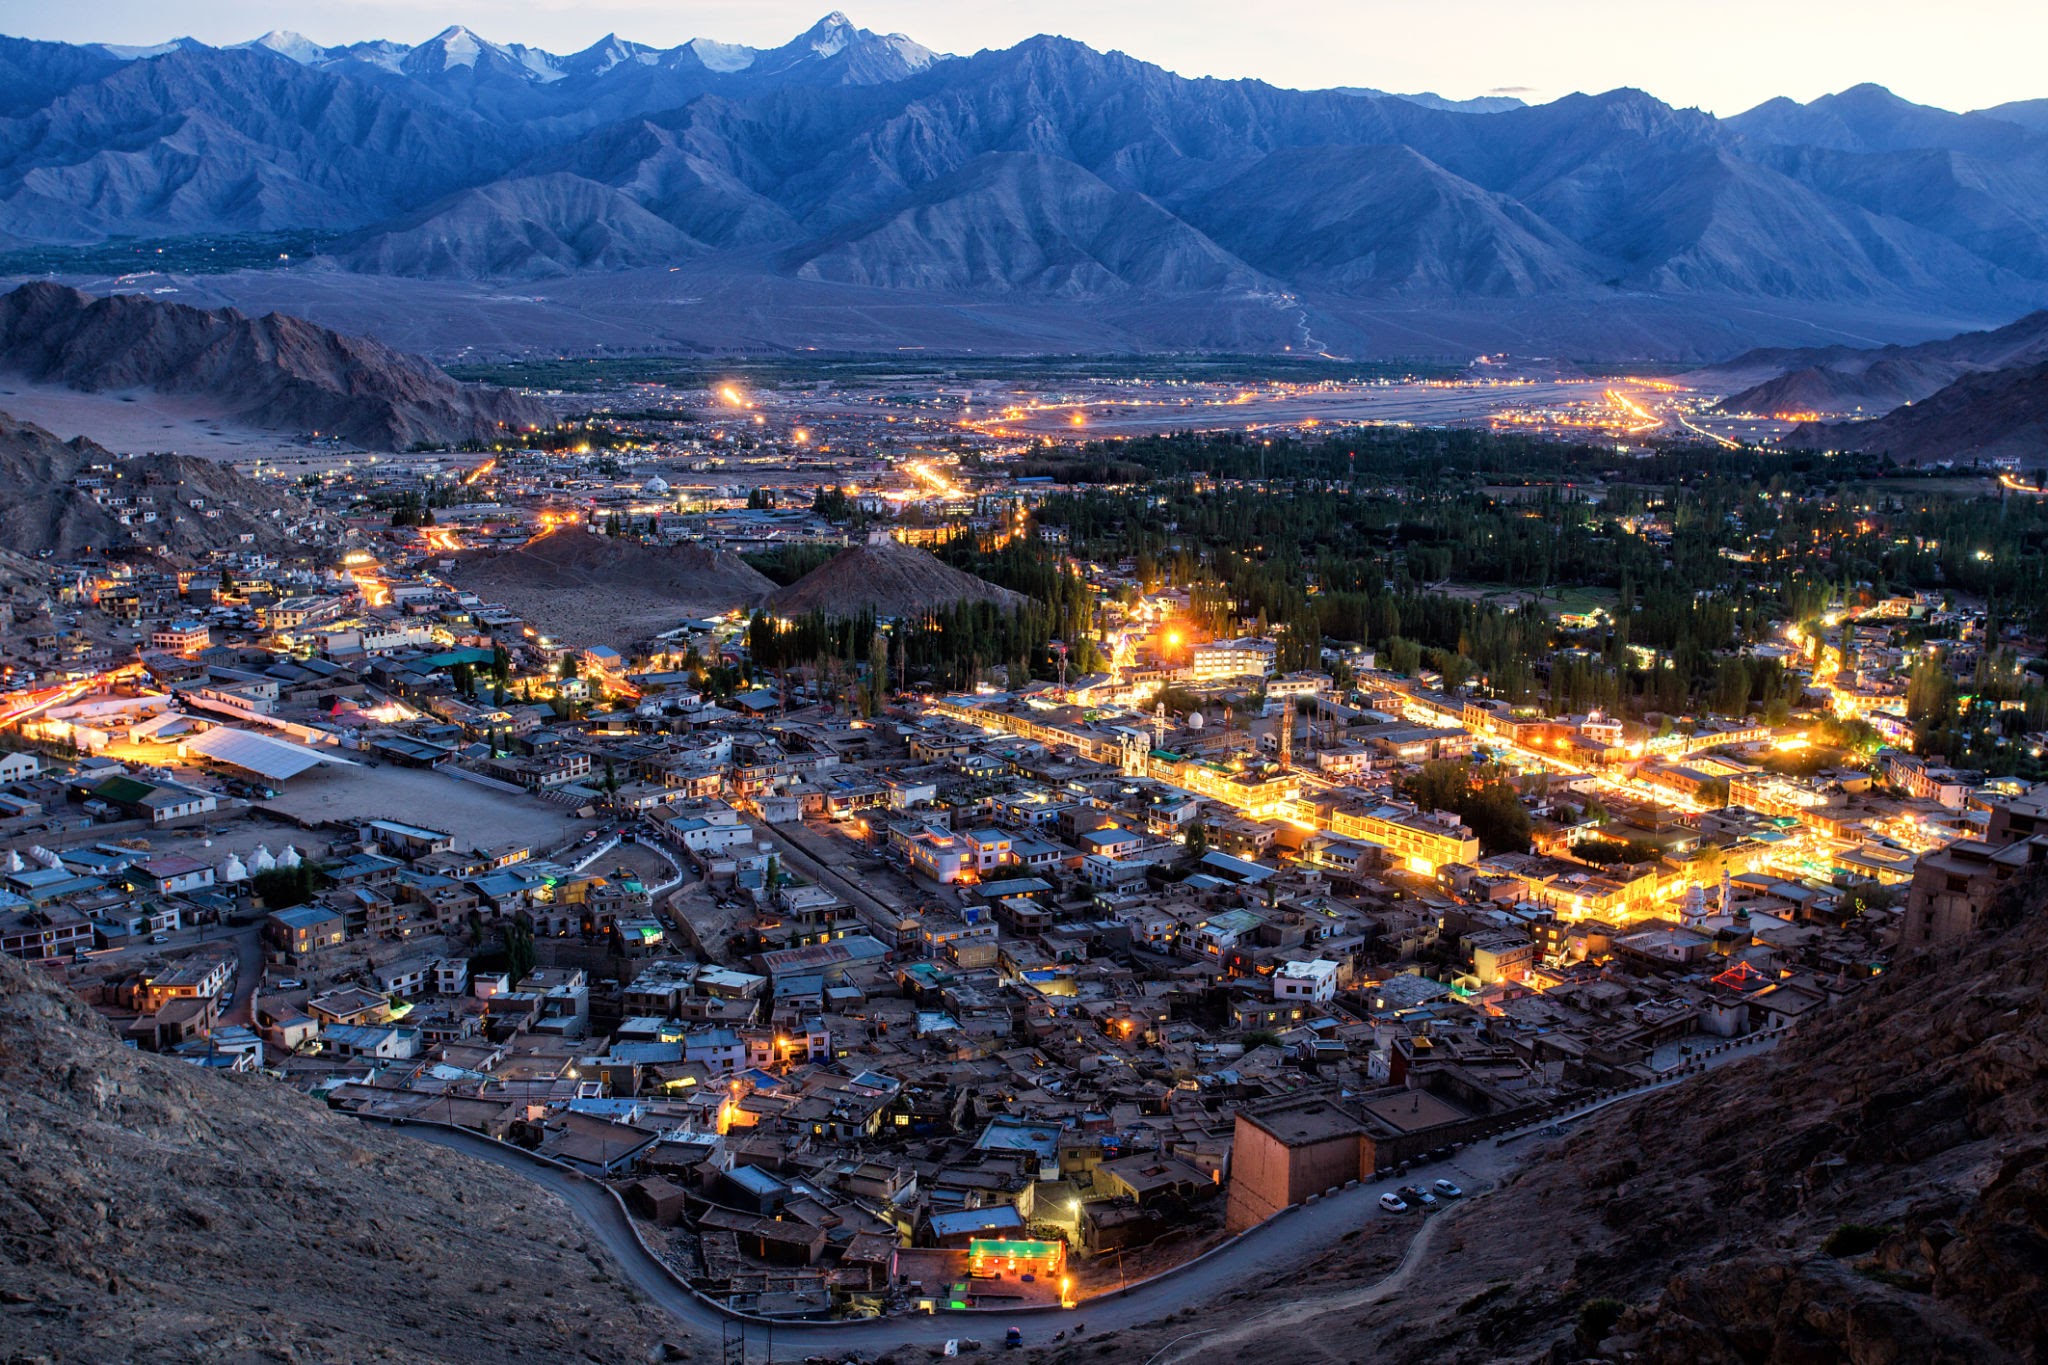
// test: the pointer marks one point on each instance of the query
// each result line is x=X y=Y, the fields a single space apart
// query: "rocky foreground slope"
x=1874 y=1191
x=275 y=373
x=150 y=1210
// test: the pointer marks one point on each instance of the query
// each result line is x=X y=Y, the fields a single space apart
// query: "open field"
x=478 y=816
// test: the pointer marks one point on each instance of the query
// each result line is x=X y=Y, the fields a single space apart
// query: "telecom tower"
x=1059 y=649
x=1286 y=733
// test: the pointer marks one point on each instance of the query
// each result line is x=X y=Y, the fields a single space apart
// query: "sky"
x=1723 y=56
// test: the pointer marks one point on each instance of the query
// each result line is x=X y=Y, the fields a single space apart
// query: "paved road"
x=1269 y=1248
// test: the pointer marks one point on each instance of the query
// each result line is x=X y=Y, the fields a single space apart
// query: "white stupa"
x=233 y=871
x=14 y=862
x=289 y=858
x=45 y=858
x=262 y=862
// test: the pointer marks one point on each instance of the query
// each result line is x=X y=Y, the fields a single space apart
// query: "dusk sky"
x=1723 y=57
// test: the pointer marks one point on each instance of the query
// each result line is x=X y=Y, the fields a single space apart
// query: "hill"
x=857 y=177
x=1840 y=379
x=589 y=589
x=226 y=1218
x=276 y=373
x=1874 y=1189
x=889 y=579
x=1994 y=414
x=44 y=508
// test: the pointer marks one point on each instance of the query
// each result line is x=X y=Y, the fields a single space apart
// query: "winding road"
x=1273 y=1246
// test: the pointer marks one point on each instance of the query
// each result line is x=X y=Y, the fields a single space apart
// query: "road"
x=1266 y=1250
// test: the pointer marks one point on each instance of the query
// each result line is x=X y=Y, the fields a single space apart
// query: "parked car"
x=291 y=983
x=1448 y=1190
x=1416 y=1195
x=159 y=937
x=1013 y=1338
x=1393 y=1203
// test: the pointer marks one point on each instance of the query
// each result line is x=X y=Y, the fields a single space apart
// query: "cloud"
x=1512 y=90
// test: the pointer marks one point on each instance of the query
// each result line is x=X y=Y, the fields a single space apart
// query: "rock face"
x=277 y=373
x=889 y=579
x=149 y=1209
x=1987 y=415
x=1874 y=1190
x=43 y=508
x=583 y=588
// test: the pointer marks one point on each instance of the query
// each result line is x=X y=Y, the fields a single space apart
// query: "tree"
x=517 y=938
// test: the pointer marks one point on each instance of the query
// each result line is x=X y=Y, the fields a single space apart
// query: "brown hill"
x=275 y=372
x=1988 y=415
x=888 y=578
x=1875 y=1189
x=153 y=1210
x=587 y=589
x=43 y=508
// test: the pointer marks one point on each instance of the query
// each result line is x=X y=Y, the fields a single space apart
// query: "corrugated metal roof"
x=260 y=754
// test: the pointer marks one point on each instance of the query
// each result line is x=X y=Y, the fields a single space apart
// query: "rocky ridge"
x=276 y=373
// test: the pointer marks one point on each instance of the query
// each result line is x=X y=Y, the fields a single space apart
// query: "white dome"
x=262 y=862
x=288 y=858
x=233 y=871
x=657 y=484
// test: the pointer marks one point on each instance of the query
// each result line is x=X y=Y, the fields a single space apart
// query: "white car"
x=1393 y=1203
x=1448 y=1190
x=291 y=983
x=159 y=937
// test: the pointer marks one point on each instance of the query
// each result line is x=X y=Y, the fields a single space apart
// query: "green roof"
x=124 y=791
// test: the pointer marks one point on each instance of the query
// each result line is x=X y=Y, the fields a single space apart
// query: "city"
x=693 y=683
x=1019 y=886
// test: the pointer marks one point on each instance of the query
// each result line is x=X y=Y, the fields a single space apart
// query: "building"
x=1311 y=983
x=181 y=637
x=1224 y=660
x=1422 y=840
x=304 y=929
x=1289 y=1149
x=1953 y=887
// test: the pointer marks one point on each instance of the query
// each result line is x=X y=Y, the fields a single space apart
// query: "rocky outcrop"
x=69 y=498
x=275 y=372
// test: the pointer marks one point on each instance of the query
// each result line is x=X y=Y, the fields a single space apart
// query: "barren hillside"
x=890 y=579
x=150 y=1210
x=588 y=589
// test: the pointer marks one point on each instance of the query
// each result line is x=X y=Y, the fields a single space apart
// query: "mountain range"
x=847 y=173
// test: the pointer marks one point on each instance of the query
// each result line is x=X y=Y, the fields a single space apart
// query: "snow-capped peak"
x=830 y=35
x=722 y=56
x=295 y=46
x=129 y=53
x=459 y=47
